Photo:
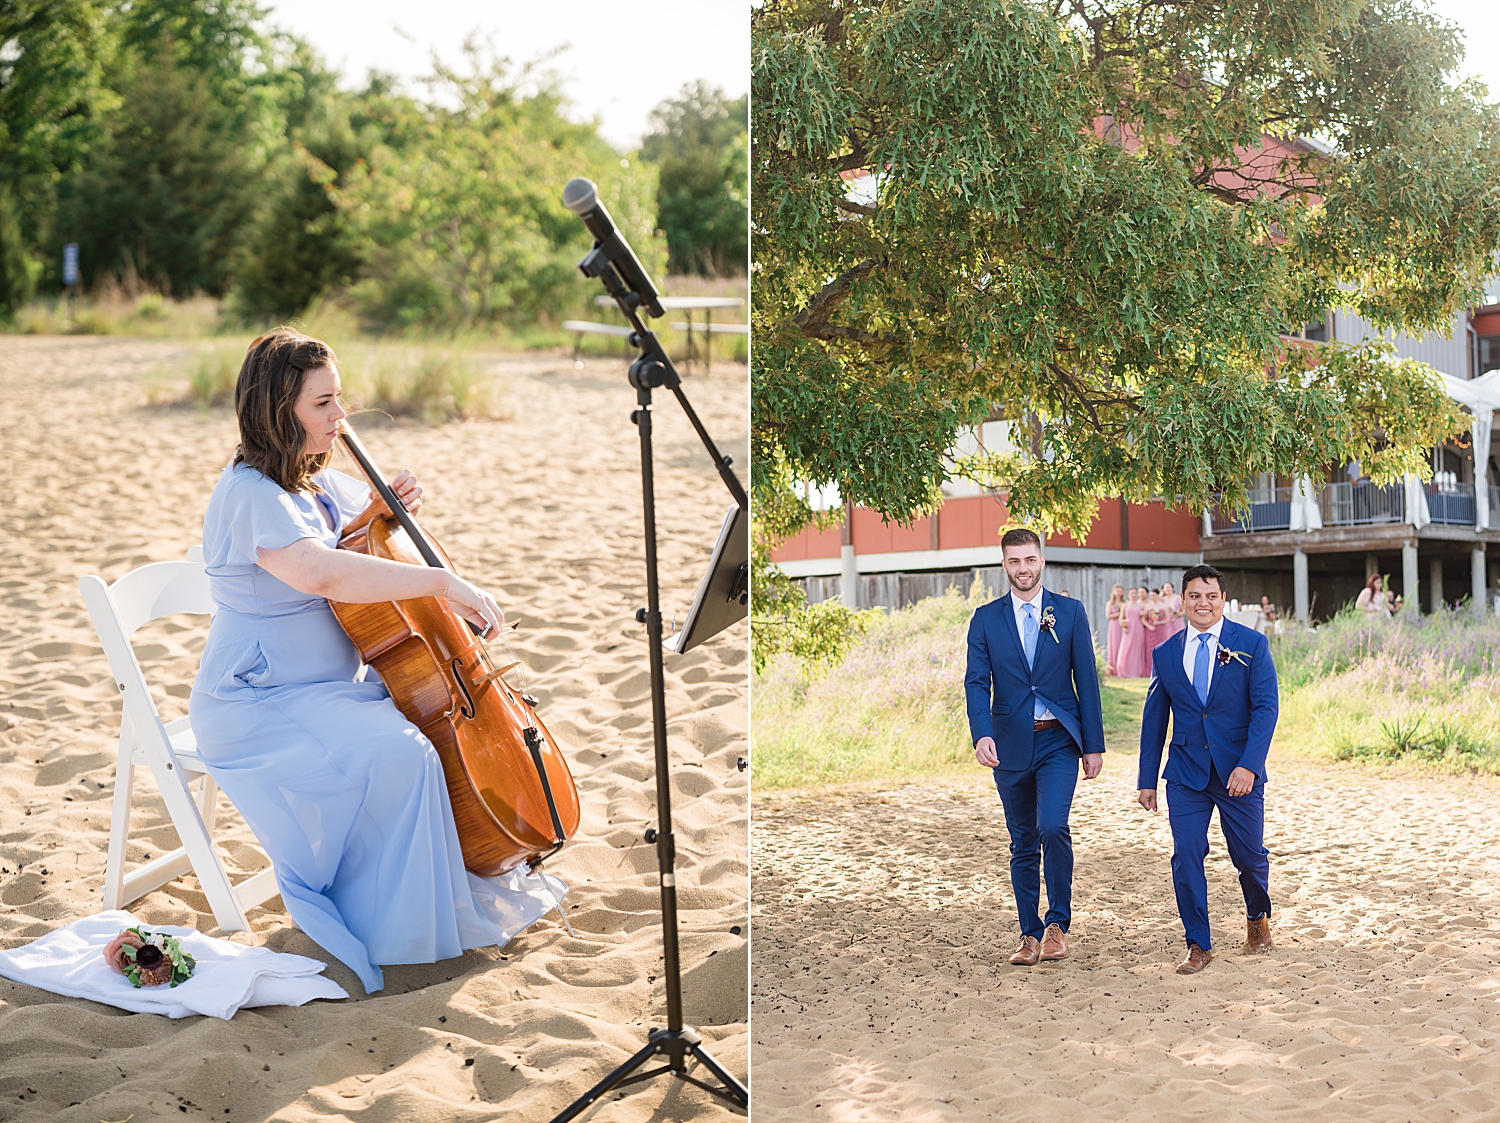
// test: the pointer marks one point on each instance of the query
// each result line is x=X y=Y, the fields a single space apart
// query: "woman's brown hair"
x=272 y=440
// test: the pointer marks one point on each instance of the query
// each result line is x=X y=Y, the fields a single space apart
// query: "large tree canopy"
x=1077 y=214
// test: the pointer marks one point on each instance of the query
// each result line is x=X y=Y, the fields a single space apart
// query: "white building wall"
x=1448 y=354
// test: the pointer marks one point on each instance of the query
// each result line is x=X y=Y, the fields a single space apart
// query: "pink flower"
x=114 y=954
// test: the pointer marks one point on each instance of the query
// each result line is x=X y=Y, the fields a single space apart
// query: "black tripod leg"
x=735 y=1090
x=599 y=1090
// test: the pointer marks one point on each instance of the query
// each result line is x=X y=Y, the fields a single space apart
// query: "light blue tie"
x=1200 y=667
x=1028 y=643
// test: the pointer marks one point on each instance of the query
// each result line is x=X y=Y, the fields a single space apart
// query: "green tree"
x=52 y=59
x=464 y=223
x=699 y=143
x=299 y=244
x=965 y=205
x=200 y=115
x=783 y=623
x=169 y=191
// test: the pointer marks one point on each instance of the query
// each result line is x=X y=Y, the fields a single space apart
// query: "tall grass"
x=1468 y=645
x=433 y=384
x=893 y=710
x=1424 y=690
x=1421 y=689
x=129 y=307
x=111 y=311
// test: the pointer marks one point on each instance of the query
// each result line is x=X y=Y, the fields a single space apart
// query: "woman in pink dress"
x=1175 y=621
x=1133 y=649
x=1153 y=619
x=1112 y=611
x=1127 y=634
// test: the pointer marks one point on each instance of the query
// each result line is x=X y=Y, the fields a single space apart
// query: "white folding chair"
x=169 y=749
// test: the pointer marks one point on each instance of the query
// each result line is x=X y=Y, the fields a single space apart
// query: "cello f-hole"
x=467 y=708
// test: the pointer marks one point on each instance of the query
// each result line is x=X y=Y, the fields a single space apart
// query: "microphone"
x=582 y=198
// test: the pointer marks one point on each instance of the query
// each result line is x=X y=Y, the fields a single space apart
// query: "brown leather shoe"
x=1054 y=943
x=1025 y=955
x=1197 y=959
x=1258 y=940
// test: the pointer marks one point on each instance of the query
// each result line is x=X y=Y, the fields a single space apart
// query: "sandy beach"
x=883 y=923
x=542 y=509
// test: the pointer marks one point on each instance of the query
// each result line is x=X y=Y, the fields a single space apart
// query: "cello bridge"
x=491 y=676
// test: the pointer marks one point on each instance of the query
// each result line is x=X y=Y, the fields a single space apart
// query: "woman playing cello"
x=344 y=794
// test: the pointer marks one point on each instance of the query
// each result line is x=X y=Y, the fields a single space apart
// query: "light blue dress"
x=345 y=795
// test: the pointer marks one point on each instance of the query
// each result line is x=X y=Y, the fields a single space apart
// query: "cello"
x=510 y=788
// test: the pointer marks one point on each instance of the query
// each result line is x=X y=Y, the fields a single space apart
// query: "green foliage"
x=167 y=193
x=893 y=710
x=212 y=375
x=700 y=144
x=819 y=635
x=192 y=148
x=297 y=247
x=18 y=271
x=1416 y=689
x=465 y=225
x=1060 y=227
x=51 y=96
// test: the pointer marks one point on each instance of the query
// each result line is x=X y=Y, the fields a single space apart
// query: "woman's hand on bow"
x=475 y=605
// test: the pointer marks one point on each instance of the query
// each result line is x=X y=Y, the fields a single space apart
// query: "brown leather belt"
x=1050 y=723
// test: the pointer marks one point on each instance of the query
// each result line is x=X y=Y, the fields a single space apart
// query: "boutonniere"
x=1226 y=654
x=1048 y=623
x=149 y=959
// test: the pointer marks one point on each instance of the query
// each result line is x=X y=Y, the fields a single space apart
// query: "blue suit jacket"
x=1000 y=689
x=1233 y=730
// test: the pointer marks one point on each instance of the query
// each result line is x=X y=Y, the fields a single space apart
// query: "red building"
x=1133 y=544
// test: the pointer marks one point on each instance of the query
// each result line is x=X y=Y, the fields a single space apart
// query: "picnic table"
x=689 y=305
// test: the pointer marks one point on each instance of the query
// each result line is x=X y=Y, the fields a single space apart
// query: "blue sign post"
x=70 y=264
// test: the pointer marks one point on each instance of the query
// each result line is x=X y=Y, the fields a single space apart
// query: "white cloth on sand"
x=225 y=977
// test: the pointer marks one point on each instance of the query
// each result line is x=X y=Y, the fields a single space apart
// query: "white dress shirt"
x=1041 y=637
x=1190 y=649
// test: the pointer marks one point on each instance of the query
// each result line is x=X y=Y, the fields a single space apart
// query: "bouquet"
x=148 y=959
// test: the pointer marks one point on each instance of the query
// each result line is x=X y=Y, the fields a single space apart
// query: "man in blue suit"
x=1033 y=699
x=1216 y=681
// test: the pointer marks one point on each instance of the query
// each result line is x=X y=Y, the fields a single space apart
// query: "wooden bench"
x=588 y=327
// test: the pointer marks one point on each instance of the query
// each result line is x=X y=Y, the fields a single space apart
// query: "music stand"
x=723 y=595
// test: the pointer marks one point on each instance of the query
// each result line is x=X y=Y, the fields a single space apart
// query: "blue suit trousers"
x=1243 y=820
x=1037 y=802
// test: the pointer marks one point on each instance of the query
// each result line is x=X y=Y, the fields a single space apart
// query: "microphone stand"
x=675 y=1042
